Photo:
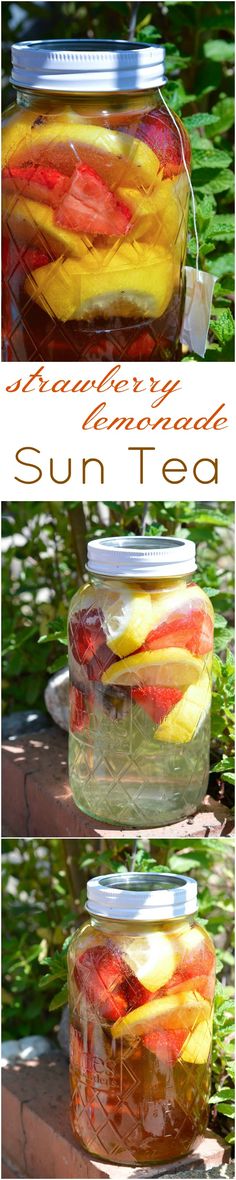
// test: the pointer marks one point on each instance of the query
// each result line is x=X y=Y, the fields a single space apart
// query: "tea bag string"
x=189 y=182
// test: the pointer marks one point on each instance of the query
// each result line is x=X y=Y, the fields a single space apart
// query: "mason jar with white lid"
x=95 y=205
x=140 y=637
x=141 y=975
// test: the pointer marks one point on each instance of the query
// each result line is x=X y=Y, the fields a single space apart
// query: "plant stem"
x=133 y=21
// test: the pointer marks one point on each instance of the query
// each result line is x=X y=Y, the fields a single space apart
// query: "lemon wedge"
x=182 y=721
x=26 y=217
x=153 y=961
x=197 y=1047
x=127 y=621
x=180 y=1010
x=156 y=216
x=172 y=666
x=127 y=281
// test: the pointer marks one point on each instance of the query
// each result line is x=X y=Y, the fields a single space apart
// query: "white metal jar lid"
x=141 y=897
x=145 y=557
x=86 y=66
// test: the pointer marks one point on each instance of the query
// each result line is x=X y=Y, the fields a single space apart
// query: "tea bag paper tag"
x=197 y=309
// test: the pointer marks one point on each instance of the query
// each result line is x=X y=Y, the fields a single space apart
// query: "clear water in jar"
x=140 y=694
x=116 y=771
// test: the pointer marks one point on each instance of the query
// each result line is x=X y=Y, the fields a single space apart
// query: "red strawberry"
x=101 y=660
x=36 y=182
x=79 y=716
x=34 y=258
x=90 y=207
x=166 y=1043
x=99 y=974
x=86 y=634
x=102 y=975
x=159 y=132
x=190 y=627
x=141 y=348
x=199 y=961
x=157 y=700
x=204 y=984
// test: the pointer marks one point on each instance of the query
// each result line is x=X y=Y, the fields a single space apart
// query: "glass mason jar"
x=95 y=205
x=140 y=641
x=141 y=990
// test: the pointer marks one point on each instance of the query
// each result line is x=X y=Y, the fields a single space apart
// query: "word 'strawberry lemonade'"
x=141 y=990
x=95 y=205
x=140 y=656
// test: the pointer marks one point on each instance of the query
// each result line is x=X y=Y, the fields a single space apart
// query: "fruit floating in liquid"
x=105 y=213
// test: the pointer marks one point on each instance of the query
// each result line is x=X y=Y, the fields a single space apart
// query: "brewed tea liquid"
x=128 y=1108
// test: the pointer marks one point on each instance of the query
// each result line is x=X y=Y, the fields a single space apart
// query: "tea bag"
x=197 y=309
x=199 y=284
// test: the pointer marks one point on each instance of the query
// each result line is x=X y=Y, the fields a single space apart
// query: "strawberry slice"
x=111 y=987
x=191 y=628
x=88 y=642
x=34 y=258
x=159 y=132
x=36 y=182
x=102 y=659
x=141 y=348
x=90 y=207
x=166 y=1043
x=157 y=701
x=197 y=962
x=204 y=984
x=79 y=716
x=86 y=634
x=98 y=973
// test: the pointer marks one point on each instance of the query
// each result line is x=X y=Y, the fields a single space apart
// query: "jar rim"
x=87 y=66
x=142 y=896
x=145 y=557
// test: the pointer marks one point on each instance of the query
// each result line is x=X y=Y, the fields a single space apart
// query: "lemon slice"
x=111 y=153
x=197 y=1047
x=26 y=217
x=180 y=1010
x=127 y=621
x=128 y=280
x=182 y=721
x=154 y=962
x=172 y=666
x=157 y=216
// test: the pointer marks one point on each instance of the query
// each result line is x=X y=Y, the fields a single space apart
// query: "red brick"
x=12 y=1137
x=37 y=800
x=36 y=1125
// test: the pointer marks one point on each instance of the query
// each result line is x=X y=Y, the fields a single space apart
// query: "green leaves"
x=210 y=158
x=60 y=999
x=221 y=51
x=222 y=324
x=221 y=227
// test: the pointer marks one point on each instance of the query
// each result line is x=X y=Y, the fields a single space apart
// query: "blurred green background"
x=199 y=40
x=44 y=892
x=44 y=553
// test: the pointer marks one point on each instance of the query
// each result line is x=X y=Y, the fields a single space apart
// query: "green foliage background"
x=44 y=562
x=199 y=66
x=44 y=891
